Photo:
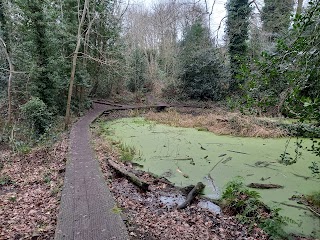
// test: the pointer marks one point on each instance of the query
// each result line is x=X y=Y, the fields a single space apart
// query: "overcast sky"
x=219 y=11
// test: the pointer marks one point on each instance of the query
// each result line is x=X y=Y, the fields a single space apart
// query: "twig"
x=183 y=159
x=238 y=152
x=253 y=1
x=291 y=205
x=215 y=165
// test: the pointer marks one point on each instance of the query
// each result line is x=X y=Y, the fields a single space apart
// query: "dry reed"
x=219 y=122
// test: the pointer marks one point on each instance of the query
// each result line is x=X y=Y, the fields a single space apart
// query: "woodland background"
x=57 y=55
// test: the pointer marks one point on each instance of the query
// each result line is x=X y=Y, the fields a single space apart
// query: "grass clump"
x=127 y=152
x=246 y=205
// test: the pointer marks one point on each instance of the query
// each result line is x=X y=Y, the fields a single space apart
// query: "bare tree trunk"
x=74 y=64
x=11 y=70
x=299 y=7
x=209 y=13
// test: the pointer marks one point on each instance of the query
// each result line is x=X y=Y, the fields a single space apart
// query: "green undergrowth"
x=246 y=205
x=21 y=138
x=314 y=198
x=307 y=130
x=127 y=152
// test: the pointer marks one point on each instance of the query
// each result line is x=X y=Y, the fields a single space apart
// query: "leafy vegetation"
x=201 y=70
x=238 y=33
x=127 y=152
x=37 y=115
x=249 y=209
x=273 y=81
x=276 y=17
x=315 y=169
x=314 y=198
x=137 y=78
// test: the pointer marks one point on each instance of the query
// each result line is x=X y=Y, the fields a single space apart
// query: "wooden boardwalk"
x=86 y=202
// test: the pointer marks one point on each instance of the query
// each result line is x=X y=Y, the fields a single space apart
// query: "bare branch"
x=17 y=72
x=254 y=1
x=108 y=62
x=74 y=62
x=11 y=67
x=220 y=24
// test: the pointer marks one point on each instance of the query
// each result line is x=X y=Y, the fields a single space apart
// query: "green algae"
x=186 y=156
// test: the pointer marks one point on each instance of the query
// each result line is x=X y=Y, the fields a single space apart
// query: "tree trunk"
x=11 y=70
x=130 y=176
x=74 y=64
x=299 y=7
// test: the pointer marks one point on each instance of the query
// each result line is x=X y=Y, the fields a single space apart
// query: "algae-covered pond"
x=186 y=156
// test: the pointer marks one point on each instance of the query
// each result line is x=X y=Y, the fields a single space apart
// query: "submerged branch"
x=192 y=194
x=264 y=186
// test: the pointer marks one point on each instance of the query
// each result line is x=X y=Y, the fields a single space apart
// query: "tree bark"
x=74 y=64
x=130 y=176
x=299 y=7
x=11 y=70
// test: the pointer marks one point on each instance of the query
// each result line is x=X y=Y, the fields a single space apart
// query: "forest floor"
x=30 y=186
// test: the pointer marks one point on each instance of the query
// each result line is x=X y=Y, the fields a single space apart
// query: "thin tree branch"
x=11 y=67
x=254 y=1
x=74 y=63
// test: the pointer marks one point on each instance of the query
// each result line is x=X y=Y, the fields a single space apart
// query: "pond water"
x=186 y=156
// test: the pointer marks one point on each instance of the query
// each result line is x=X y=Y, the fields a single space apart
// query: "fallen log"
x=291 y=205
x=130 y=176
x=264 y=186
x=192 y=194
x=314 y=211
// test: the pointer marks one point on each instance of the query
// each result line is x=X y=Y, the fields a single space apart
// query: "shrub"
x=202 y=76
x=202 y=71
x=127 y=153
x=249 y=209
x=36 y=115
